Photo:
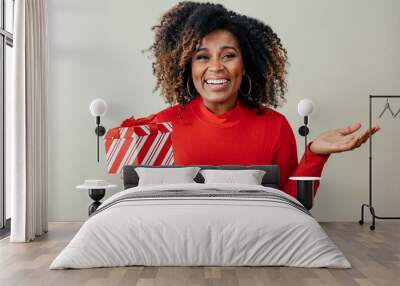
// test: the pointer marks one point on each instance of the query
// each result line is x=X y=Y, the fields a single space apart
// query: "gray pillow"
x=162 y=176
x=248 y=177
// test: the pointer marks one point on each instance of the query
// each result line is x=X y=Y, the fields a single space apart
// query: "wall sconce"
x=98 y=108
x=305 y=108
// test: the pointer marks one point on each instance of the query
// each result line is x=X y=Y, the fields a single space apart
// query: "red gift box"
x=140 y=142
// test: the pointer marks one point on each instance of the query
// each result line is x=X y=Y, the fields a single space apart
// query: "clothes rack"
x=369 y=205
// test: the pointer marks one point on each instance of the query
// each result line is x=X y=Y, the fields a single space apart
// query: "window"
x=6 y=45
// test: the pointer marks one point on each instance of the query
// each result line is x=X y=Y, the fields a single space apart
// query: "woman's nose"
x=215 y=65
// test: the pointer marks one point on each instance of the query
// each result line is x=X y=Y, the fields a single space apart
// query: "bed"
x=201 y=224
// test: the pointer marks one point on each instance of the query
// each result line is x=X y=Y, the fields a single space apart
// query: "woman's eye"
x=229 y=56
x=201 y=57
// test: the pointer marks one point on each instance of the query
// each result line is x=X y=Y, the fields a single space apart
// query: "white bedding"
x=200 y=231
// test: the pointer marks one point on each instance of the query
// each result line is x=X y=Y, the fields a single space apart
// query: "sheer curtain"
x=27 y=117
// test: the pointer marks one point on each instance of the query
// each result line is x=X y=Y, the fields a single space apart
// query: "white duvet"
x=200 y=231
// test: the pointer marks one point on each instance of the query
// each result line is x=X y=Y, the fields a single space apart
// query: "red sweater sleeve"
x=285 y=155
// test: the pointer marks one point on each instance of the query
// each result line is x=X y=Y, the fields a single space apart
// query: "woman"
x=225 y=71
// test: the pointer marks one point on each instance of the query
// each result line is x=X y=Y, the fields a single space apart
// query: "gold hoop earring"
x=247 y=93
x=188 y=88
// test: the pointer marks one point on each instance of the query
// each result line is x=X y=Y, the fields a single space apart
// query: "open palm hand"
x=341 y=140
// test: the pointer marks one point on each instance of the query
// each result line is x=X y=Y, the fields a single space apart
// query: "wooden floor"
x=375 y=256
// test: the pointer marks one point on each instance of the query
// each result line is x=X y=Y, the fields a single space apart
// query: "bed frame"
x=270 y=179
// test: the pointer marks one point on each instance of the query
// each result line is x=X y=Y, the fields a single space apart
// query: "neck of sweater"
x=225 y=119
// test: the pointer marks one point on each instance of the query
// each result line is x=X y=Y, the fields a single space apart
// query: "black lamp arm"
x=99 y=131
x=303 y=131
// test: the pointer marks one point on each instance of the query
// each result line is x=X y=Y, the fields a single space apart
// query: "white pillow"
x=162 y=176
x=249 y=177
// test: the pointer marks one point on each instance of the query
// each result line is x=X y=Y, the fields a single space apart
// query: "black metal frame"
x=371 y=208
x=6 y=39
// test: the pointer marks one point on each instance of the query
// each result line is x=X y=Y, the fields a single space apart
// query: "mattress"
x=201 y=225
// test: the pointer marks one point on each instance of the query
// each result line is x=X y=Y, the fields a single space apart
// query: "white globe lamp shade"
x=98 y=107
x=305 y=107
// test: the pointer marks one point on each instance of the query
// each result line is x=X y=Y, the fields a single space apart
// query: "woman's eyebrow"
x=221 y=48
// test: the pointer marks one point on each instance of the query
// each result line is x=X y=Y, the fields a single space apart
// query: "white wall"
x=339 y=53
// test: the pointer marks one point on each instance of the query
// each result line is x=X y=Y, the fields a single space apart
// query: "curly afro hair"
x=179 y=34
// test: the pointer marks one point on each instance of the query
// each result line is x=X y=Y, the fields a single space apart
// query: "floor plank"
x=374 y=255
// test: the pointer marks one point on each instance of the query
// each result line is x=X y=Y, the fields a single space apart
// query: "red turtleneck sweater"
x=238 y=137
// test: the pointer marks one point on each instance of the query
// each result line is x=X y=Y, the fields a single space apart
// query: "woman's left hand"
x=341 y=140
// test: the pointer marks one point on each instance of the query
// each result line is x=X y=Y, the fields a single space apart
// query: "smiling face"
x=217 y=70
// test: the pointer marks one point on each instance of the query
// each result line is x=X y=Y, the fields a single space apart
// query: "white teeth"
x=216 y=81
